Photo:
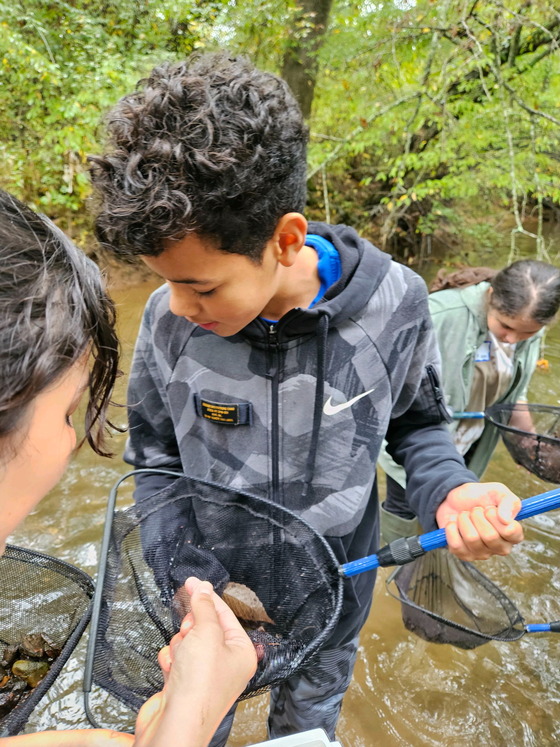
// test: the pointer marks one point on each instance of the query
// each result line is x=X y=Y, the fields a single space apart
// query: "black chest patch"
x=224 y=413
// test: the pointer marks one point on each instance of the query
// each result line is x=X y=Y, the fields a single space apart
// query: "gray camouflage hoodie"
x=296 y=411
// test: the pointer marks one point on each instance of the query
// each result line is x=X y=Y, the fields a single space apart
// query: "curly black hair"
x=53 y=310
x=211 y=146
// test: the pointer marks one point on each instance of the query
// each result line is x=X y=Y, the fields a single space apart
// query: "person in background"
x=278 y=353
x=57 y=341
x=489 y=335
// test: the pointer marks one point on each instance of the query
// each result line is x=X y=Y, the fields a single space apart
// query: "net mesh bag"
x=45 y=605
x=538 y=451
x=229 y=538
x=447 y=600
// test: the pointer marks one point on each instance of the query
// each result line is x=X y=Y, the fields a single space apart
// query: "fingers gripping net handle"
x=405 y=550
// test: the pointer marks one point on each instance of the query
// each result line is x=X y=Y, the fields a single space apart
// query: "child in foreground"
x=279 y=354
x=57 y=340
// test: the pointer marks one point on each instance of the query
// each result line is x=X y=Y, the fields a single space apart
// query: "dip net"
x=277 y=573
x=45 y=605
x=447 y=600
x=538 y=450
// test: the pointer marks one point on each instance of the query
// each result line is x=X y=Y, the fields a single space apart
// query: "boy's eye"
x=205 y=293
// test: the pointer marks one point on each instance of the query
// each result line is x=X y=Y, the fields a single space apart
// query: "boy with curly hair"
x=279 y=353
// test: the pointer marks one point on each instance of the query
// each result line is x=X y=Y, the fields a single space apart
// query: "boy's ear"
x=289 y=237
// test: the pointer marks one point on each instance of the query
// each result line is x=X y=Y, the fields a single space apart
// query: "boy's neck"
x=298 y=286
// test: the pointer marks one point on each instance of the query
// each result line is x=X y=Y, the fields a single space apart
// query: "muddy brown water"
x=405 y=691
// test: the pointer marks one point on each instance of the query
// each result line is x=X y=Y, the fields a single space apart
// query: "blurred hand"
x=101 y=738
x=479 y=520
x=206 y=666
x=71 y=738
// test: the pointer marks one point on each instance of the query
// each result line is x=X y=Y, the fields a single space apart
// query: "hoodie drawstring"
x=322 y=332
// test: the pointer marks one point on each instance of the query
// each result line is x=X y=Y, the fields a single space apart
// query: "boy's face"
x=44 y=451
x=219 y=291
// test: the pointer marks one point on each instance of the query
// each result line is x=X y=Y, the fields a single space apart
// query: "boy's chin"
x=223 y=330
x=227 y=332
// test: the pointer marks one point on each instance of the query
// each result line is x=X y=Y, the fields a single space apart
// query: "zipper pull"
x=272 y=341
x=438 y=393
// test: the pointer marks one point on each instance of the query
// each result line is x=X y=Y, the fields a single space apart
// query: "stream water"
x=405 y=691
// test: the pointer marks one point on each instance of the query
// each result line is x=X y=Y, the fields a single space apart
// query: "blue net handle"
x=406 y=549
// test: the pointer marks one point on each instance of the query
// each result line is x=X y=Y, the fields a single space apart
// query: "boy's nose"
x=184 y=304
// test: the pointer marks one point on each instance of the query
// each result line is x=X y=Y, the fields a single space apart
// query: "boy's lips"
x=210 y=325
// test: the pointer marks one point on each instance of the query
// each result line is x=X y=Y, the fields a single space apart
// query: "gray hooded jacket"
x=297 y=411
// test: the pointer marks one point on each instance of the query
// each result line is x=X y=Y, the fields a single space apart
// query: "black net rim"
x=492 y=413
x=509 y=635
x=117 y=531
x=14 y=721
x=69 y=571
x=250 y=691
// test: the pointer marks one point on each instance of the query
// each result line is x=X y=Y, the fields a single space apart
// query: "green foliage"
x=451 y=101
x=421 y=106
x=62 y=65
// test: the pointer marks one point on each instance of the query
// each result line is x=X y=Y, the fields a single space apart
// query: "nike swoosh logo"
x=330 y=409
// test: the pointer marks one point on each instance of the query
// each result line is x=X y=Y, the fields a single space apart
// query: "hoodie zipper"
x=273 y=373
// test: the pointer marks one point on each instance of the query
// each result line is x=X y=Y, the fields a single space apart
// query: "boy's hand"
x=479 y=520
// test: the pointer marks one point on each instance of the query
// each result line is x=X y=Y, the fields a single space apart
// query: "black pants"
x=395 y=501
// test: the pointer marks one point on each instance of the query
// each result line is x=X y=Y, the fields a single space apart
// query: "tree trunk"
x=300 y=65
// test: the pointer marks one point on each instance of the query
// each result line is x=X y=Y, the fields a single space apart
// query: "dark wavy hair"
x=528 y=287
x=53 y=309
x=210 y=146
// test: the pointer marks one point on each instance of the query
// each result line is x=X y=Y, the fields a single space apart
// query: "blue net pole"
x=406 y=549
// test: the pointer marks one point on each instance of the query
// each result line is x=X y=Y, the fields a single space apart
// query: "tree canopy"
x=416 y=108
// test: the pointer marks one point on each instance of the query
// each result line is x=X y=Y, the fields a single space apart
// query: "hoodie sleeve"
x=417 y=437
x=151 y=442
